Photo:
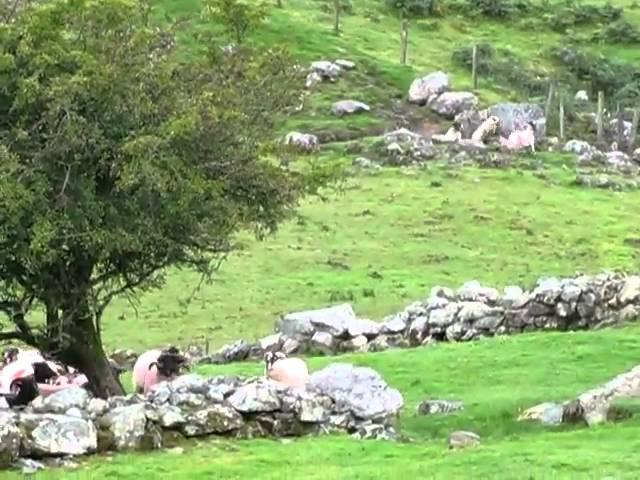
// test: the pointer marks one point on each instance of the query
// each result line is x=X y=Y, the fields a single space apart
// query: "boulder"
x=515 y=115
x=55 y=435
x=62 y=400
x=212 y=419
x=349 y=107
x=433 y=407
x=463 y=439
x=449 y=104
x=334 y=320
x=129 y=429
x=326 y=70
x=304 y=142
x=358 y=390
x=9 y=440
x=630 y=291
x=256 y=397
x=579 y=147
x=271 y=343
x=427 y=87
x=323 y=342
x=345 y=64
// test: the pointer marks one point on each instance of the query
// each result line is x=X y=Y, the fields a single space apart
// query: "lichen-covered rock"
x=212 y=419
x=323 y=342
x=449 y=104
x=515 y=115
x=61 y=401
x=433 y=407
x=256 y=397
x=428 y=87
x=54 y=435
x=349 y=107
x=130 y=430
x=304 y=142
x=9 y=439
x=463 y=439
x=358 y=390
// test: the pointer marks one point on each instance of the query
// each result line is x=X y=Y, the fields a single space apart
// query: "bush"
x=605 y=74
x=620 y=31
x=414 y=8
x=498 y=8
x=328 y=6
x=571 y=14
x=503 y=67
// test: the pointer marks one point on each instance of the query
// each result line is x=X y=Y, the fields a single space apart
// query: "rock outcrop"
x=340 y=397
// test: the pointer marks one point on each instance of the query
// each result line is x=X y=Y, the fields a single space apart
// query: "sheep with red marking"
x=155 y=366
x=285 y=370
x=520 y=139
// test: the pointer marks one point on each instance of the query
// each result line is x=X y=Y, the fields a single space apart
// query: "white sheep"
x=487 y=127
x=453 y=135
x=285 y=370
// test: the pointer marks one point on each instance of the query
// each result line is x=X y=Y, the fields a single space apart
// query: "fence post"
x=599 y=119
x=474 y=66
x=336 y=27
x=404 y=40
x=547 y=105
x=620 y=126
x=561 y=107
x=634 y=130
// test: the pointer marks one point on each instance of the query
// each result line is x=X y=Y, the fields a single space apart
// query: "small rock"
x=431 y=407
x=28 y=466
x=323 y=342
x=63 y=400
x=349 y=107
x=345 y=64
x=305 y=142
x=463 y=439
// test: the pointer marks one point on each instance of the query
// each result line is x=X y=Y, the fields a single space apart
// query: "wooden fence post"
x=561 y=107
x=547 y=105
x=634 y=129
x=599 y=119
x=336 y=27
x=404 y=40
x=474 y=66
x=620 y=126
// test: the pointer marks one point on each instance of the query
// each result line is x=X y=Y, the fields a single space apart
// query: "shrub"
x=620 y=31
x=605 y=74
x=414 y=8
x=571 y=14
x=498 y=8
x=503 y=67
x=328 y=6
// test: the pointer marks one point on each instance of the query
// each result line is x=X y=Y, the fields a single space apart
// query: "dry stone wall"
x=340 y=397
x=471 y=312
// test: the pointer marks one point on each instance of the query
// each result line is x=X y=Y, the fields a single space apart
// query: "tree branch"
x=4 y=336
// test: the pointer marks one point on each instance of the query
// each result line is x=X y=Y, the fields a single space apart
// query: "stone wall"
x=69 y=423
x=468 y=313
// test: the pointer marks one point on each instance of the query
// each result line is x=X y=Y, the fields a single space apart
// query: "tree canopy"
x=118 y=159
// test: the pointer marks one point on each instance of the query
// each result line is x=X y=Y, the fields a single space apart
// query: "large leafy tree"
x=117 y=161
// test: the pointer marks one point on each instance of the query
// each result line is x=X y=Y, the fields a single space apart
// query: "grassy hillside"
x=385 y=241
x=494 y=379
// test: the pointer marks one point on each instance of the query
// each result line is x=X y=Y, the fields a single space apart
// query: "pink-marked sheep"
x=519 y=139
x=285 y=370
x=155 y=366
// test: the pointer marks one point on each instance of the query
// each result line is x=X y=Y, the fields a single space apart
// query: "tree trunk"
x=82 y=349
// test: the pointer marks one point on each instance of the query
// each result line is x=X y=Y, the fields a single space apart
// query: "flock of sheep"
x=26 y=374
x=518 y=139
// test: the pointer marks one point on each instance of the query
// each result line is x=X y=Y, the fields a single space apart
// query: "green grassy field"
x=494 y=378
x=383 y=242
x=388 y=238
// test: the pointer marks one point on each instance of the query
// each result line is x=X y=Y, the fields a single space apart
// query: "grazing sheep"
x=519 y=139
x=454 y=134
x=487 y=127
x=285 y=370
x=155 y=366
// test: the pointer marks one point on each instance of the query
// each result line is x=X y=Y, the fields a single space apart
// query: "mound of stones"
x=340 y=397
x=471 y=312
